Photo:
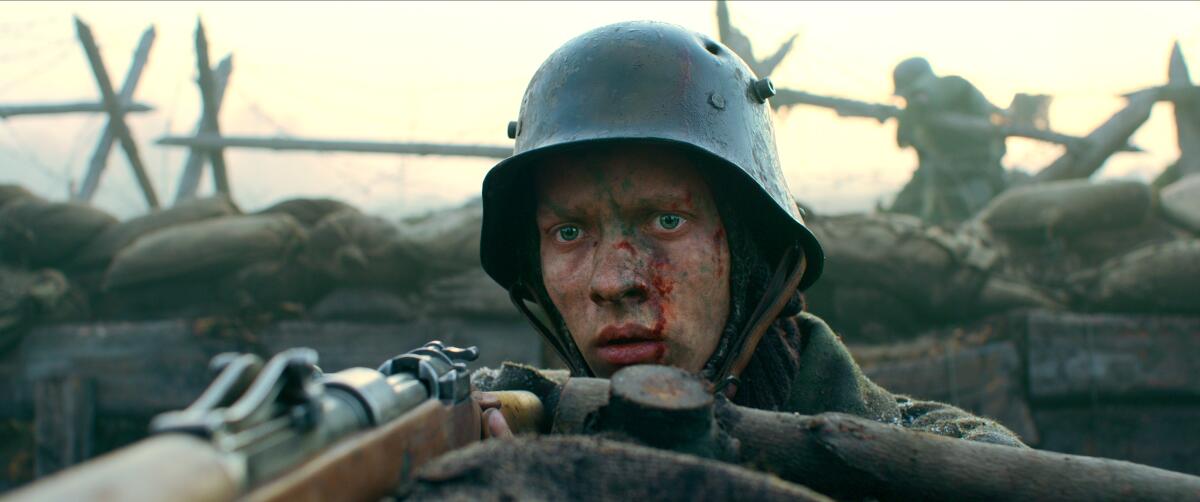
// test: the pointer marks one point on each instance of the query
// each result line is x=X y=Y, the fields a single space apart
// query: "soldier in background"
x=958 y=171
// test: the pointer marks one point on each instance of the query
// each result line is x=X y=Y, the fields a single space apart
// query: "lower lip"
x=624 y=354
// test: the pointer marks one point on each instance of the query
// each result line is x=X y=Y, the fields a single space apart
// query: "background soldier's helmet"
x=909 y=73
x=643 y=82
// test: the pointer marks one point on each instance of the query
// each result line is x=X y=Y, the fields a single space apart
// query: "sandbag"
x=471 y=294
x=307 y=211
x=1180 y=203
x=933 y=271
x=450 y=237
x=10 y=193
x=113 y=239
x=212 y=247
x=38 y=233
x=1000 y=294
x=1070 y=207
x=365 y=305
x=1162 y=278
x=354 y=249
x=273 y=286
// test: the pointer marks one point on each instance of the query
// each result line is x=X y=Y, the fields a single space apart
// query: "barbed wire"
x=37 y=71
x=24 y=153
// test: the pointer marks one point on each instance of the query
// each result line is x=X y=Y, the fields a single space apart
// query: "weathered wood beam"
x=113 y=106
x=850 y=457
x=1187 y=114
x=7 y=111
x=100 y=155
x=1100 y=144
x=208 y=94
x=64 y=418
x=208 y=141
x=193 y=167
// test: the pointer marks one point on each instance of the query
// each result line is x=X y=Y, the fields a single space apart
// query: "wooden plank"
x=318 y=145
x=1187 y=115
x=1087 y=357
x=193 y=167
x=63 y=422
x=209 y=122
x=985 y=380
x=100 y=155
x=113 y=106
x=1162 y=435
x=7 y=111
x=1100 y=144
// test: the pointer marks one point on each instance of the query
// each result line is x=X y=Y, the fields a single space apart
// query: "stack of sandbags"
x=471 y=295
x=449 y=238
x=308 y=212
x=888 y=275
x=38 y=233
x=1156 y=279
x=357 y=250
x=199 y=266
x=99 y=252
x=1048 y=231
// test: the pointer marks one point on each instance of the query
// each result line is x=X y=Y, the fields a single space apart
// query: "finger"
x=486 y=400
x=497 y=426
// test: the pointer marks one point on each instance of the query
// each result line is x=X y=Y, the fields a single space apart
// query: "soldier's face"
x=634 y=256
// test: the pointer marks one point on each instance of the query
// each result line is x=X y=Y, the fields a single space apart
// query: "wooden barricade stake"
x=100 y=155
x=112 y=105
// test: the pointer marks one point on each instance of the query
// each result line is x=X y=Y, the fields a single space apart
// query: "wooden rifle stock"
x=372 y=464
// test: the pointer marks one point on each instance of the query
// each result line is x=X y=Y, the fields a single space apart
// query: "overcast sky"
x=455 y=72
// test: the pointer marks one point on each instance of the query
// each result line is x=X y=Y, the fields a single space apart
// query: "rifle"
x=282 y=430
x=997 y=126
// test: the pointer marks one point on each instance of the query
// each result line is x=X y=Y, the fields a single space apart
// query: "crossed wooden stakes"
x=212 y=90
x=116 y=128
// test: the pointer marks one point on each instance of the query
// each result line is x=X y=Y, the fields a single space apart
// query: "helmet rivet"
x=763 y=89
x=716 y=100
x=512 y=129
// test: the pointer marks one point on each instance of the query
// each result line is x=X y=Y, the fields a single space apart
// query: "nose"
x=617 y=278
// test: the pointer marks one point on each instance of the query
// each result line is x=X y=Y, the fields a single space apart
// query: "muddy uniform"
x=958 y=172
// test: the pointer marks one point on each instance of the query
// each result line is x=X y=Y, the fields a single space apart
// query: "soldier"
x=644 y=218
x=958 y=171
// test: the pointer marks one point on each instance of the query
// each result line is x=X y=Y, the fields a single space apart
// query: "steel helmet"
x=650 y=82
x=909 y=72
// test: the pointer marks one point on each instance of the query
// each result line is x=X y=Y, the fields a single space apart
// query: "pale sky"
x=455 y=72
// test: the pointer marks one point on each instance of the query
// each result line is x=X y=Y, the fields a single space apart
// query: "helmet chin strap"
x=779 y=291
x=563 y=345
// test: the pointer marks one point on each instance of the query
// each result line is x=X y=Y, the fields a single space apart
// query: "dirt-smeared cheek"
x=663 y=283
x=718 y=248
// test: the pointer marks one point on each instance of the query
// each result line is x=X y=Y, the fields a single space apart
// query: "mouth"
x=630 y=344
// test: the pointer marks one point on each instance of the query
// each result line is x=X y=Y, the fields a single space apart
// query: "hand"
x=492 y=421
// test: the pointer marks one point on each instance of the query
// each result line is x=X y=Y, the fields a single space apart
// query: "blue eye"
x=568 y=233
x=670 y=221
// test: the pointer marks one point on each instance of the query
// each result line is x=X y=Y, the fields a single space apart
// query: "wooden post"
x=209 y=141
x=1187 y=115
x=193 y=167
x=100 y=155
x=7 y=111
x=116 y=116
x=208 y=95
x=64 y=415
